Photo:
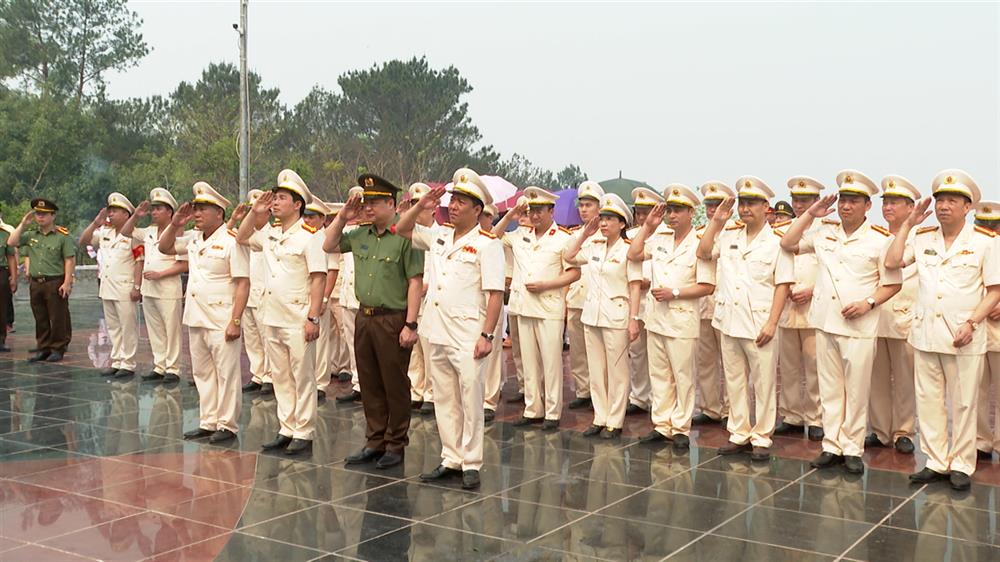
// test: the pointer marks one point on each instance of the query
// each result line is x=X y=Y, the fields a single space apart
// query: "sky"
x=659 y=92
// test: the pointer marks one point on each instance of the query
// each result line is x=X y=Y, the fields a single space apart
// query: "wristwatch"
x=236 y=321
x=489 y=337
x=410 y=325
x=972 y=324
x=313 y=319
x=136 y=287
x=676 y=293
x=870 y=301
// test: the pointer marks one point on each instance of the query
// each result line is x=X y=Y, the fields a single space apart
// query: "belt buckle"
x=368 y=310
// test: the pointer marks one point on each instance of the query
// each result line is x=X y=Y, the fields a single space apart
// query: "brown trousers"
x=53 y=329
x=385 y=386
x=4 y=295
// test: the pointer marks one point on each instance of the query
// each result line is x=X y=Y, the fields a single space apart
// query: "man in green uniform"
x=51 y=259
x=8 y=285
x=389 y=284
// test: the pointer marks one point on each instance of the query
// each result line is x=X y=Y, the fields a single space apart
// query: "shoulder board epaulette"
x=626 y=240
x=702 y=227
x=574 y=228
x=780 y=224
x=735 y=226
x=487 y=233
x=367 y=223
x=881 y=230
x=448 y=224
x=778 y=233
x=926 y=229
x=597 y=240
x=985 y=231
x=309 y=229
x=566 y=230
x=62 y=230
x=232 y=232
x=831 y=221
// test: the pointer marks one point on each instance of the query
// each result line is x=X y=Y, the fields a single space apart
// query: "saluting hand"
x=142 y=210
x=432 y=200
x=27 y=217
x=592 y=226
x=655 y=216
x=240 y=212
x=920 y=212
x=102 y=216
x=352 y=208
x=262 y=206
x=183 y=215
x=724 y=210
x=823 y=207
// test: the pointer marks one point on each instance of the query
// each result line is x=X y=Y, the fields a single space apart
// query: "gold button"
x=938 y=315
x=940 y=297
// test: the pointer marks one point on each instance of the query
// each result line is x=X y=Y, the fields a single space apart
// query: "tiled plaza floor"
x=92 y=468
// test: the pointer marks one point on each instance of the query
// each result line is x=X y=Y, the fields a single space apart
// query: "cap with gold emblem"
x=118 y=200
x=590 y=190
x=418 y=190
x=645 y=197
x=804 y=185
x=752 y=187
x=160 y=196
x=988 y=211
x=715 y=192
x=680 y=194
x=853 y=182
x=612 y=204
x=288 y=179
x=898 y=186
x=538 y=197
x=490 y=210
x=956 y=181
x=204 y=193
x=467 y=182
x=375 y=186
x=42 y=205
x=317 y=207
x=356 y=190
x=784 y=208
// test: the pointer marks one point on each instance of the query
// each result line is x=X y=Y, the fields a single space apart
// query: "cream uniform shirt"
x=168 y=287
x=465 y=268
x=291 y=257
x=537 y=259
x=796 y=316
x=706 y=304
x=675 y=268
x=852 y=268
x=608 y=272
x=895 y=316
x=348 y=297
x=577 y=293
x=951 y=284
x=258 y=279
x=213 y=266
x=115 y=254
x=748 y=272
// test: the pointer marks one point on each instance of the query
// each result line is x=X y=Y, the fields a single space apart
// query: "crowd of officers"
x=871 y=327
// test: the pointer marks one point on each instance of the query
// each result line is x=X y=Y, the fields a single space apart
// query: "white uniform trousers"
x=797 y=362
x=541 y=353
x=748 y=367
x=988 y=439
x=638 y=367
x=340 y=360
x=493 y=370
x=215 y=367
x=458 y=384
x=347 y=329
x=163 y=324
x=609 y=384
x=844 y=365
x=712 y=399
x=253 y=341
x=292 y=362
x=321 y=363
x=941 y=380
x=421 y=386
x=515 y=352
x=671 y=375
x=577 y=353
x=120 y=317
x=892 y=406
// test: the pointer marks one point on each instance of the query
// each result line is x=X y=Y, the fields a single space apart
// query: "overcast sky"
x=661 y=92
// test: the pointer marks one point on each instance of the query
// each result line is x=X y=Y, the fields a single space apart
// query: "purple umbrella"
x=566 y=213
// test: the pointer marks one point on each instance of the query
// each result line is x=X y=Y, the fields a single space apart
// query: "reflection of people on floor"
x=124 y=418
x=165 y=417
x=99 y=346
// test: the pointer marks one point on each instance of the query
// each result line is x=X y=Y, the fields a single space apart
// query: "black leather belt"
x=378 y=311
x=44 y=278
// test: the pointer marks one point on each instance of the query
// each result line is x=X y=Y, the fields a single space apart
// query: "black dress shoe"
x=267 y=389
x=389 y=460
x=41 y=356
x=550 y=425
x=703 y=419
x=427 y=409
x=519 y=397
x=904 y=446
x=489 y=415
x=826 y=460
x=592 y=431
x=279 y=442
x=927 y=475
x=344 y=377
x=815 y=433
x=364 y=455
x=634 y=409
x=121 y=374
x=578 y=403
x=198 y=433
x=440 y=473
x=470 y=480
x=221 y=435
x=55 y=357
x=959 y=480
x=4 y=349
x=654 y=437
x=109 y=372
x=416 y=404
x=609 y=433
x=735 y=449
x=984 y=455
x=171 y=378
x=854 y=465
x=352 y=396
x=152 y=376
x=527 y=421
x=252 y=386
x=682 y=442
x=760 y=454
x=321 y=396
x=785 y=428
x=872 y=441
x=298 y=446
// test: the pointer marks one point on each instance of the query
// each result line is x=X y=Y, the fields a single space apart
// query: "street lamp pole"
x=244 y=105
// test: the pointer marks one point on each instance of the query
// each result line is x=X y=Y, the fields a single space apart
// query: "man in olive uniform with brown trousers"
x=8 y=284
x=51 y=259
x=389 y=274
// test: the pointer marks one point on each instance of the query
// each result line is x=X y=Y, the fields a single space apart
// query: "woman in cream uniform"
x=609 y=312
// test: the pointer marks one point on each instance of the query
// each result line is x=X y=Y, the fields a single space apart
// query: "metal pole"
x=244 y=106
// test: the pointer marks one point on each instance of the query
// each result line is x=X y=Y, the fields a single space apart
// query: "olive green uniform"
x=5 y=251
x=47 y=254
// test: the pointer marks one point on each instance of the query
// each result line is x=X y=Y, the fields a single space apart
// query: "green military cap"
x=42 y=205
x=784 y=208
x=374 y=186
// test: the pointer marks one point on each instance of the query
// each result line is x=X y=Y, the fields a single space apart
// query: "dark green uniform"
x=5 y=251
x=47 y=254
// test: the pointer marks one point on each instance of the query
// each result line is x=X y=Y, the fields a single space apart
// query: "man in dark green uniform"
x=8 y=284
x=51 y=259
x=389 y=284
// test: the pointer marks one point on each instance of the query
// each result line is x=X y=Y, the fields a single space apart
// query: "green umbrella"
x=623 y=187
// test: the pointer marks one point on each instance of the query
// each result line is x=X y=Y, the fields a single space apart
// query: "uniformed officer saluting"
x=51 y=258
x=389 y=285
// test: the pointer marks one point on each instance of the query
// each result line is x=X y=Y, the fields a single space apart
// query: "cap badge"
x=892 y=183
x=802 y=183
x=987 y=209
x=748 y=184
x=949 y=180
x=849 y=179
x=711 y=188
x=369 y=182
x=462 y=179
x=677 y=192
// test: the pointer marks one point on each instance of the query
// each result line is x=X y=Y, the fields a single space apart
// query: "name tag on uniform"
x=831 y=238
x=734 y=247
x=526 y=240
x=106 y=239
x=364 y=246
x=661 y=249
x=272 y=238
x=930 y=252
x=595 y=258
x=440 y=242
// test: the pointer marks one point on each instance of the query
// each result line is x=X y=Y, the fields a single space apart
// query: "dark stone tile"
x=949 y=520
x=714 y=548
x=776 y=468
x=493 y=479
x=409 y=500
x=611 y=538
x=571 y=492
x=426 y=542
x=728 y=486
x=238 y=547
x=541 y=459
x=505 y=518
x=793 y=529
x=327 y=528
x=835 y=502
x=536 y=553
x=675 y=510
x=320 y=483
x=887 y=544
x=873 y=481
